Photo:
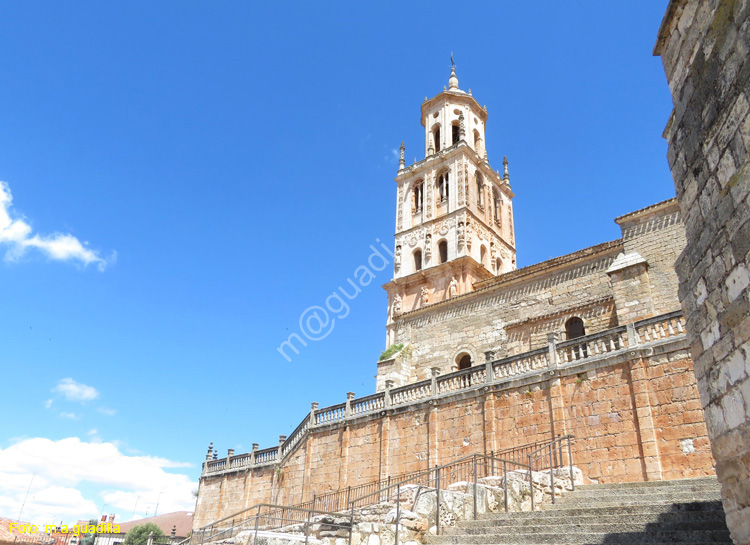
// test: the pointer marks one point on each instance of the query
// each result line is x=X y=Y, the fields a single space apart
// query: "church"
x=483 y=356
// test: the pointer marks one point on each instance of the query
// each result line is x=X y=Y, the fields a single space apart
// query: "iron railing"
x=269 y=518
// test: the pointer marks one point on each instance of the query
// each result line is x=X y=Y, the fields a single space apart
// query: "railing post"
x=552 y=472
x=282 y=438
x=230 y=453
x=398 y=509
x=570 y=462
x=387 y=394
x=150 y=540
x=433 y=384
x=307 y=528
x=475 y=487
x=531 y=483
x=437 y=502
x=552 y=347
x=348 y=409
x=252 y=454
x=632 y=335
x=351 y=526
x=505 y=483
x=489 y=370
x=313 y=408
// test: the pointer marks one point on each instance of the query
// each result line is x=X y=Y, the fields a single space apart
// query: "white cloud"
x=75 y=391
x=17 y=236
x=48 y=404
x=106 y=411
x=69 y=416
x=72 y=479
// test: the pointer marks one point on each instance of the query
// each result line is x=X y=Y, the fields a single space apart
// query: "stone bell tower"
x=454 y=213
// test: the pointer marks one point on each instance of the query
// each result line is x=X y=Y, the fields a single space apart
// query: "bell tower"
x=454 y=213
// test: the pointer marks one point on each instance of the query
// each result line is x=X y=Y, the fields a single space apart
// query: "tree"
x=88 y=539
x=138 y=535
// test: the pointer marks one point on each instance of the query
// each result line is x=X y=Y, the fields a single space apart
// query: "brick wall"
x=705 y=47
x=635 y=418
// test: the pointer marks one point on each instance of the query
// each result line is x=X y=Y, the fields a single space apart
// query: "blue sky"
x=188 y=177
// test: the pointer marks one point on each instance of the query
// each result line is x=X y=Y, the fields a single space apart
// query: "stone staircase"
x=686 y=511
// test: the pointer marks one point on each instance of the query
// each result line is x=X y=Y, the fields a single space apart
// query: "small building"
x=10 y=536
x=175 y=526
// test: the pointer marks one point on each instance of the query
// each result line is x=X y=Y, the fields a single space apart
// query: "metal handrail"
x=276 y=517
x=555 y=457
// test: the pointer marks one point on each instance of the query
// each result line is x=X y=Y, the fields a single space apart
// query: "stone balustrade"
x=558 y=355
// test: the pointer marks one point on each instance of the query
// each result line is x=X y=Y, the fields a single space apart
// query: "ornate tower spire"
x=506 y=176
x=453 y=80
x=401 y=162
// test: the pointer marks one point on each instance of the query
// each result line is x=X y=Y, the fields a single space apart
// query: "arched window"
x=418 y=197
x=463 y=361
x=454 y=132
x=443 y=187
x=477 y=141
x=496 y=204
x=574 y=328
x=498 y=265
x=418 y=260
x=483 y=256
x=480 y=190
x=443 y=249
x=436 y=137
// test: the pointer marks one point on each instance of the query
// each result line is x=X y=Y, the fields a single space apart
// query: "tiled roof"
x=183 y=520
x=7 y=537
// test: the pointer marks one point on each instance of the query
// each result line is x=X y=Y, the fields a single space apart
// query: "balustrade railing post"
x=348 y=409
x=253 y=453
x=433 y=381
x=313 y=409
x=282 y=438
x=489 y=370
x=632 y=335
x=475 y=487
x=387 y=395
x=552 y=348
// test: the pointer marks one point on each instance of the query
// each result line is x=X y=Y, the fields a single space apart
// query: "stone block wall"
x=705 y=50
x=514 y=312
x=635 y=417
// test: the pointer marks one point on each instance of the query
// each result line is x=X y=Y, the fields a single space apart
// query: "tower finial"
x=453 y=80
x=453 y=64
x=506 y=176
x=401 y=163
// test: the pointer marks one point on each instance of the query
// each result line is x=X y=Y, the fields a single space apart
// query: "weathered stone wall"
x=705 y=50
x=514 y=312
x=636 y=417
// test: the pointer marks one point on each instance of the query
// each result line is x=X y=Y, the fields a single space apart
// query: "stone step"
x=586 y=538
x=638 y=490
x=646 y=541
x=621 y=510
x=647 y=484
x=614 y=527
x=648 y=499
x=552 y=518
